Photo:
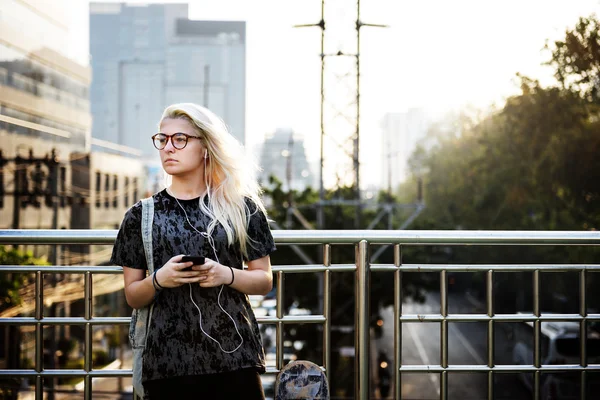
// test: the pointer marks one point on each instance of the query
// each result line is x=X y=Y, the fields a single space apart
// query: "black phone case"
x=197 y=260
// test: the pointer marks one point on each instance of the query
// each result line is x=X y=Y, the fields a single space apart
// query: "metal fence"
x=362 y=269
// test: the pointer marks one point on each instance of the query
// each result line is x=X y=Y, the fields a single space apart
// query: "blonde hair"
x=229 y=174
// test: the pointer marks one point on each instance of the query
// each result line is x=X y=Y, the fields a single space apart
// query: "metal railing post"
x=397 y=323
x=491 y=331
x=279 y=327
x=88 y=313
x=444 y=334
x=537 y=326
x=362 y=337
x=39 y=334
x=327 y=311
x=583 y=332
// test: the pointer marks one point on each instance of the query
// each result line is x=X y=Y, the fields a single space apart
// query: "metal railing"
x=362 y=239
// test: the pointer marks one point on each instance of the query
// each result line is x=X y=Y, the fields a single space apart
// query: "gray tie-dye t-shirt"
x=176 y=345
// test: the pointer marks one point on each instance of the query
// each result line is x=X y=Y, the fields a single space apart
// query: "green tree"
x=10 y=284
x=576 y=59
x=528 y=165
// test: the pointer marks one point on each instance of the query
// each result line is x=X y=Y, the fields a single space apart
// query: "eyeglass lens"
x=179 y=140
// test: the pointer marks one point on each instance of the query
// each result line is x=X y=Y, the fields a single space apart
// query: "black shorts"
x=241 y=384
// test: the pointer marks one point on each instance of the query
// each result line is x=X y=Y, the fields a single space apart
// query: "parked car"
x=559 y=344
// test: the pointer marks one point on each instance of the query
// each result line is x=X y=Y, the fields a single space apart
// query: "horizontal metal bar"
x=314 y=268
x=81 y=269
x=292 y=319
x=62 y=269
x=449 y=237
x=497 y=369
x=65 y=321
x=58 y=236
x=497 y=317
x=313 y=319
x=485 y=267
x=275 y=371
x=56 y=373
x=71 y=269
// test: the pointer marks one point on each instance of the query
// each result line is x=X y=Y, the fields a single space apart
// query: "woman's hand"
x=171 y=275
x=212 y=273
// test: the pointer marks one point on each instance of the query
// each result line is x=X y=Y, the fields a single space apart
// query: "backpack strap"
x=147 y=221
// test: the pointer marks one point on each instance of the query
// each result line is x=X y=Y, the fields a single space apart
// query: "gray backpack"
x=141 y=318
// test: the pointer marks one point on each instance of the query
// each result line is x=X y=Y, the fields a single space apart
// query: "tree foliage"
x=530 y=165
x=576 y=59
x=10 y=284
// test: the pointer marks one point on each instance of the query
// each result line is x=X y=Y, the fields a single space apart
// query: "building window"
x=126 y=191
x=98 y=188
x=115 y=191
x=135 y=189
x=106 y=191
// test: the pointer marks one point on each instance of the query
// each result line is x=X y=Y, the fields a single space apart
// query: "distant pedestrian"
x=203 y=339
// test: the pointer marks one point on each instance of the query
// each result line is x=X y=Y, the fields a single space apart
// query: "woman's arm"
x=257 y=279
x=139 y=290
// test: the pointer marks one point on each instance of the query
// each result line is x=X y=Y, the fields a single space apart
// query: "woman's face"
x=181 y=161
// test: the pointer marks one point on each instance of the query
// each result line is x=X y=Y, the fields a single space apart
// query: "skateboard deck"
x=301 y=380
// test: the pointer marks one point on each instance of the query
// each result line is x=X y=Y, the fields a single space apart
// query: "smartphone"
x=197 y=260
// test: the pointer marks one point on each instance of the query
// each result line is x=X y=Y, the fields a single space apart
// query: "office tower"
x=145 y=57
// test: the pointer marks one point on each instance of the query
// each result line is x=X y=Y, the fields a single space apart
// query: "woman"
x=203 y=335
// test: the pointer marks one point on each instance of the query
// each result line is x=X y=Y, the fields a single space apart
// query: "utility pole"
x=340 y=82
x=17 y=190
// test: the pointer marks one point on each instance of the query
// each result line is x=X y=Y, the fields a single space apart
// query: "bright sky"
x=438 y=54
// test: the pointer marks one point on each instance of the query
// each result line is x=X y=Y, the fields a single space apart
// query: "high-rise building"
x=283 y=156
x=44 y=115
x=145 y=57
x=401 y=134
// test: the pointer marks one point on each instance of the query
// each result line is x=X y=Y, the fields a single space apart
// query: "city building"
x=283 y=156
x=44 y=116
x=145 y=57
x=48 y=158
x=402 y=132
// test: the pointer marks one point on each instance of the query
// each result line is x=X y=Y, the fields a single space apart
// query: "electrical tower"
x=340 y=100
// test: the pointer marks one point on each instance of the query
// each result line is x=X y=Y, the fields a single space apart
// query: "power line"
x=340 y=119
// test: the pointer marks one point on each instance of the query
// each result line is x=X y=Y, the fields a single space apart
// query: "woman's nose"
x=169 y=146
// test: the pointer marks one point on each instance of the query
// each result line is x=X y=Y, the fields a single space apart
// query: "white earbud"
x=205 y=153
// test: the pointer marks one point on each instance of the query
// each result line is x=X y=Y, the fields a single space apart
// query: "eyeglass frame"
x=170 y=137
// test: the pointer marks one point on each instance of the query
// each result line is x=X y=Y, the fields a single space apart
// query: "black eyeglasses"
x=179 y=140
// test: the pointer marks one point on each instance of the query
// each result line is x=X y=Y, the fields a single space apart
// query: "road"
x=467 y=345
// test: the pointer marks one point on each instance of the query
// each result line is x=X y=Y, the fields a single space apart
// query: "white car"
x=559 y=344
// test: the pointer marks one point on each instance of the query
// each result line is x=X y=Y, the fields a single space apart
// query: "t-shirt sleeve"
x=260 y=241
x=128 y=250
